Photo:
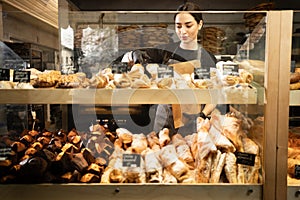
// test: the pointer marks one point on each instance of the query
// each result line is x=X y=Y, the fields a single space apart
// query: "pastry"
x=231 y=168
x=218 y=162
x=205 y=145
x=165 y=83
x=220 y=140
x=164 y=137
x=153 y=141
x=139 y=143
x=183 y=150
x=153 y=168
x=203 y=169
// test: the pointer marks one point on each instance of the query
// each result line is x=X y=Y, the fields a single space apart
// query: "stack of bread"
x=154 y=35
x=252 y=19
x=129 y=37
x=213 y=39
x=55 y=157
x=207 y=156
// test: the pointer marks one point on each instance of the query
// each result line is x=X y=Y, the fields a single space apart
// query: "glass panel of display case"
x=122 y=72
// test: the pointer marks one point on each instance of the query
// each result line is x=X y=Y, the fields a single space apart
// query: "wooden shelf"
x=132 y=191
x=127 y=96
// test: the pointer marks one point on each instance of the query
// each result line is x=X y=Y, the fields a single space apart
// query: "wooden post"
x=278 y=56
x=286 y=26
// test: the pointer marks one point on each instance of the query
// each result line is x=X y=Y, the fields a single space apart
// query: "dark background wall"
x=173 y=4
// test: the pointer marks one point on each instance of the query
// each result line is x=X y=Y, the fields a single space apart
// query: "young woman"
x=188 y=22
x=182 y=118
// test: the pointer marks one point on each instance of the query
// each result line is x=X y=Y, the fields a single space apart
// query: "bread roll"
x=295 y=86
x=295 y=77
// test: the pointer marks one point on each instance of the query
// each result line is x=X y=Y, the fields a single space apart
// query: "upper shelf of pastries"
x=133 y=87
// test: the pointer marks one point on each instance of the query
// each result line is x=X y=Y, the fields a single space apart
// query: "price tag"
x=21 y=76
x=297 y=171
x=202 y=73
x=5 y=153
x=231 y=69
x=165 y=71
x=131 y=160
x=4 y=74
x=245 y=158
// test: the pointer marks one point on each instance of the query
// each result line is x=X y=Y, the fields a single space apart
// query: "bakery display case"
x=105 y=153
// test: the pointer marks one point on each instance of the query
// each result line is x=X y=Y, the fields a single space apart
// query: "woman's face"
x=186 y=27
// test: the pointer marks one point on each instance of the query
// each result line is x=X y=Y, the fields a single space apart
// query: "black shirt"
x=172 y=51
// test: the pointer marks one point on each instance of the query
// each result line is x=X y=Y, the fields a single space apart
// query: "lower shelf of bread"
x=131 y=191
x=128 y=96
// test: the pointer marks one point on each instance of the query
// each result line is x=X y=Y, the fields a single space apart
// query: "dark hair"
x=190 y=6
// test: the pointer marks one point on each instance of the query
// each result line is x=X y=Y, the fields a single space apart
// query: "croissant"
x=165 y=83
x=245 y=76
x=153 y=70
x=142 y=82
x=123 y=81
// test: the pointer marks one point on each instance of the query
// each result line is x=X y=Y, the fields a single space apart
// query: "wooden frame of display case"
x=277 y=90
x=278 y=40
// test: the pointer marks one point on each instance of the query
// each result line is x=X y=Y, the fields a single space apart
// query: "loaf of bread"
x=295 y=77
